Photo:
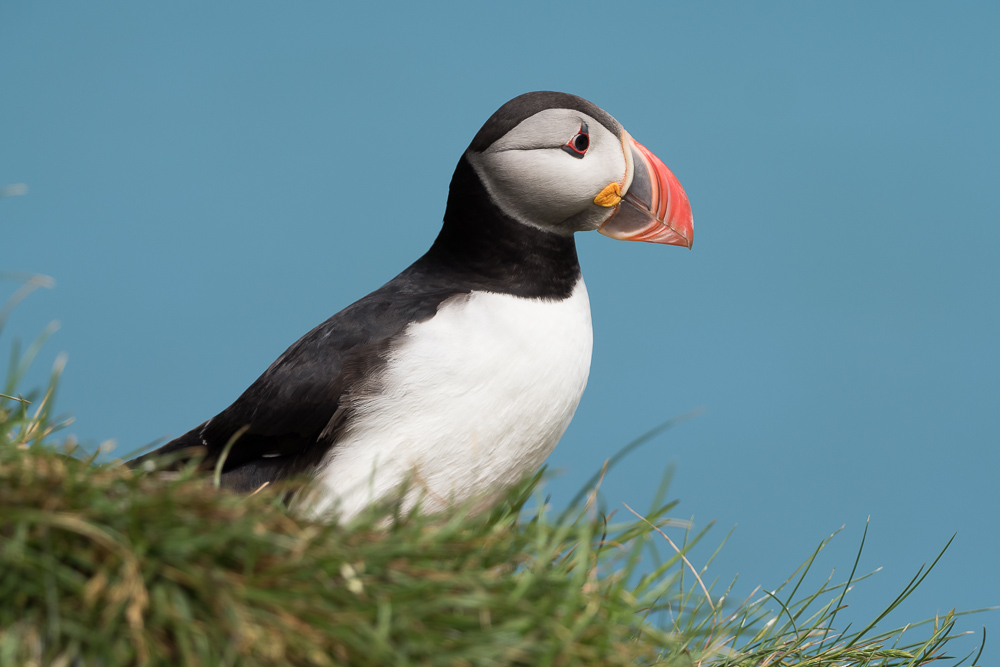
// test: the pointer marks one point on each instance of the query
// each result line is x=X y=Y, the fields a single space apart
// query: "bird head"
x=560 y=163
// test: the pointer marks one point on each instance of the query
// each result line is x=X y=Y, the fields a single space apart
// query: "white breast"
x=472 y=400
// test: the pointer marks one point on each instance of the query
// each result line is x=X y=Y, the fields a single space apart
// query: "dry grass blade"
x=704 y=589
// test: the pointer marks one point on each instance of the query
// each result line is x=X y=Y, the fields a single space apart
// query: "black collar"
x=481 y=248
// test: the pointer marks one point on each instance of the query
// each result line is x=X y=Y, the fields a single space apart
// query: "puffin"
x=455 y=379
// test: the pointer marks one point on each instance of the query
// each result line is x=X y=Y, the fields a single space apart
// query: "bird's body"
x=460 y=375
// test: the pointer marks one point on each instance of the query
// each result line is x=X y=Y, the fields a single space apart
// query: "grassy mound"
x=117 y=568
x=122 y=569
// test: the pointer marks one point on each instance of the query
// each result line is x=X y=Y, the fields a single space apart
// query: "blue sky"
x=208 y=183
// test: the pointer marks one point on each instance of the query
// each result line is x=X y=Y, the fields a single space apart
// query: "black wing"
x=290 y=417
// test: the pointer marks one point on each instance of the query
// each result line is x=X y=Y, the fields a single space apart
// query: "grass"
x=100 y=565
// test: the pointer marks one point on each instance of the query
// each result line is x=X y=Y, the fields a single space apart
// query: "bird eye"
x=578 y=145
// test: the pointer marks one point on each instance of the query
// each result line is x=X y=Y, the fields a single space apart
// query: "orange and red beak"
x=654 y=207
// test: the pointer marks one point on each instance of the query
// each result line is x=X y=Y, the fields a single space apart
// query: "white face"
x=534 y=180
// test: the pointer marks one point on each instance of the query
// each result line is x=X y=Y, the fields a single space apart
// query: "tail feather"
x=176 y=453
x=243 y=477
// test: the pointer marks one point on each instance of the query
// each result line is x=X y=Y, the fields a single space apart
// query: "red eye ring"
x=578 y=145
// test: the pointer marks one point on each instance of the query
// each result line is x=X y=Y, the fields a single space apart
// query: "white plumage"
x=490 y=383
